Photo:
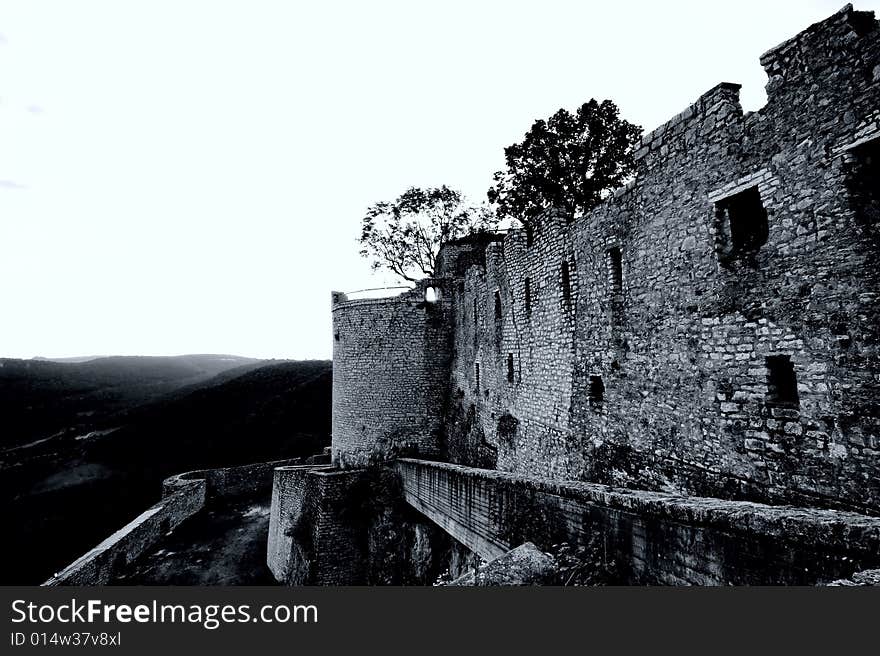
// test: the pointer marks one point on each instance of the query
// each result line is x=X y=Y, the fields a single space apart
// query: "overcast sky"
x=189 y=177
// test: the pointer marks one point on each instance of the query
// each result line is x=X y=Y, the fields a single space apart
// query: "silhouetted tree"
x=404 y=236
x=568 y=161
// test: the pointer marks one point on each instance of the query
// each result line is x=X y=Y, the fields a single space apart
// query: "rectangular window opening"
x=510 y=371
x=864 y=184
x=566 y=283
x=528 y=295
x=615 y=283
x=781 y=382
x=743 y=222
x=497 y=305
x=477 y=376
x=615 y=270
x=597 y=392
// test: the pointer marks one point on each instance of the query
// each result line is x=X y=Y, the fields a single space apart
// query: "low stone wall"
x=654 y=538
x=231 y=482
x=183 y=495
x=100 y=564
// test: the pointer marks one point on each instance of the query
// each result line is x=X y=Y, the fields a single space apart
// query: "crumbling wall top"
x=719 y=96
x=829 y=42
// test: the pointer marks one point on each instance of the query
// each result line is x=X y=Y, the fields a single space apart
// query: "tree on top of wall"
x=570 y=161
x=405 y=235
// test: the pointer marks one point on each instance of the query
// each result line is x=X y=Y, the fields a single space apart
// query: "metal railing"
x=375 y=292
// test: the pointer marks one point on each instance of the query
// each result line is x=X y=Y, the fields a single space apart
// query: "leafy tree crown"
x=405 y=235
x=569 y=161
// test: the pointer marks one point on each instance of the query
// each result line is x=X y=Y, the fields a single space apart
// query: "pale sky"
x=189 y=177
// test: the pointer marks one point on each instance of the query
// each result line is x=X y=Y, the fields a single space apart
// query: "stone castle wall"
x=711 y=328
x=645 y=362
x=288 y=558
x=652 y=538
x=349 y=527
x=390 y=373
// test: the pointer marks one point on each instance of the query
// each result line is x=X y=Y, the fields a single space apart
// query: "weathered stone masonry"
x=654 y=538
x=745 y=248
x=647 y=343
x=710 y=330
x=390 y=364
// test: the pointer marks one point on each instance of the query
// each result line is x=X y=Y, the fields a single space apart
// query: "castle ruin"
x=709 y=331
x=689 y=372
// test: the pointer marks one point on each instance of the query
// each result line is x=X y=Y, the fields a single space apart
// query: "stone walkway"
x=222 y=545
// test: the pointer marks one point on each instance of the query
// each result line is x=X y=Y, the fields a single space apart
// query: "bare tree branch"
x=405 y=236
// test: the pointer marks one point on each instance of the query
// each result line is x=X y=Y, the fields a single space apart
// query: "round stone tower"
x=391 y=363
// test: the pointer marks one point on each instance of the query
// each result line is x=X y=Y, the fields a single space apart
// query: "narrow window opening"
x=530 y=235
x=615 y=284
x=477 y=375
x=566 y=283
x=510 y=372
x=743 y=222
x=597 y=392
x=497 y=306
x=781 y=382
x=431 y=295
x=528 y=295
x=615 y=270
x=864 y=184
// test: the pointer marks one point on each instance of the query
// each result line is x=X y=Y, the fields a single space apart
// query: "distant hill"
x=38 y=398
x=61 y=496
x=277 y=410
x=76 y=358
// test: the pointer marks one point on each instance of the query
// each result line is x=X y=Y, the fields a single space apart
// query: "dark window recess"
x=615 y=284
x=528 y=295
x=743 y=223
x=597 y=391
x=781 y=382
x=615 y=270
x=862 y=22
x=566 y=283
x=510 y=372
x=864 y=184
x=530 y=235
x=477 y=375
x=497 y=306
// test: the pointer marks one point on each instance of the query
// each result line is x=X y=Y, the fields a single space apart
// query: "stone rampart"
x=653 y=538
